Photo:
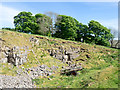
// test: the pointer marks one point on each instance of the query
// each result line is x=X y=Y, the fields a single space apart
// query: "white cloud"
x=6 y=16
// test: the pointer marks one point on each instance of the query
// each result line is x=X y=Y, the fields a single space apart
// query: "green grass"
x=100 y=70
x=104 y=76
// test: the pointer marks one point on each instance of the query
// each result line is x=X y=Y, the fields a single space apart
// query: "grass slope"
x=100 y=71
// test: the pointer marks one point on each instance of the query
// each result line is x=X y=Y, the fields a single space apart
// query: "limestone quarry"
x=30 y=61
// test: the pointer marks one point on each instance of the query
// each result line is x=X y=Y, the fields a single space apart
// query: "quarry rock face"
x=65 y=54
x=61 y=53
x=14 y=55
x=18 y=55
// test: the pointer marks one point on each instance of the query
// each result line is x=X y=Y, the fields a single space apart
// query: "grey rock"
x=49 y=79
x=59 y=57
x=65 y=58
x=65 y=54
x=15 y=82
x=44 y=66
x=13 y=55
x=3 y=60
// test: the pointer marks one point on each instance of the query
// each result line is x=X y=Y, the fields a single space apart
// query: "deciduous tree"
x=101 y=34
x=25 y=22
x=66 y=27
x=44 y=23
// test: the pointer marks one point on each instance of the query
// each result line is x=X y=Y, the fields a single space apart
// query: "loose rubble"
x=23 y=79
x=16 y=82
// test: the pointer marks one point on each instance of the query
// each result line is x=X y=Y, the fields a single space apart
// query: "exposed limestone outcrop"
x=65 y=54
x=60 y=52
x=15 y=55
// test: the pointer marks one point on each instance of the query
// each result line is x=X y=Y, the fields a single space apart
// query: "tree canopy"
x=66 y=27
x=25 y=22
x=44 y=23
x=62 y=26
x=101 y=34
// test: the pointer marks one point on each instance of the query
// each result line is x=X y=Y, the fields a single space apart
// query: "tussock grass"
x=99 y=71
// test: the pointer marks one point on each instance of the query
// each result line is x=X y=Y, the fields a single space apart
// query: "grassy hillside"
x=99 y=71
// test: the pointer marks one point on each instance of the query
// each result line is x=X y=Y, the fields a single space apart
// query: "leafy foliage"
x=7 y=28
x=84 y=34
x=101 y=34
x=62 y=26
x=66 y=27
x=25 y=22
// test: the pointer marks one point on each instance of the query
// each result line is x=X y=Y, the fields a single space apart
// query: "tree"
x=79 y=32
x=114 y=33
x=83 y=34
x=101 y=34
x=8 y=28
x=66 y=27
x=44 y=23
x=25 y=22
x=53 y=17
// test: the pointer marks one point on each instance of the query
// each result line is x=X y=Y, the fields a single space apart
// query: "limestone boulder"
x=13 y=55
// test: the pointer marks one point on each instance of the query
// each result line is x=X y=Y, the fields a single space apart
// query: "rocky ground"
x=16 y=82
x=30 y=61
x=23 y=79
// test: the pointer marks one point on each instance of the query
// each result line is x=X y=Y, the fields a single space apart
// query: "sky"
x=104 y=12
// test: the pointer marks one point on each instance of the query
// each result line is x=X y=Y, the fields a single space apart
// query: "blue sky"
x=104 y=12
